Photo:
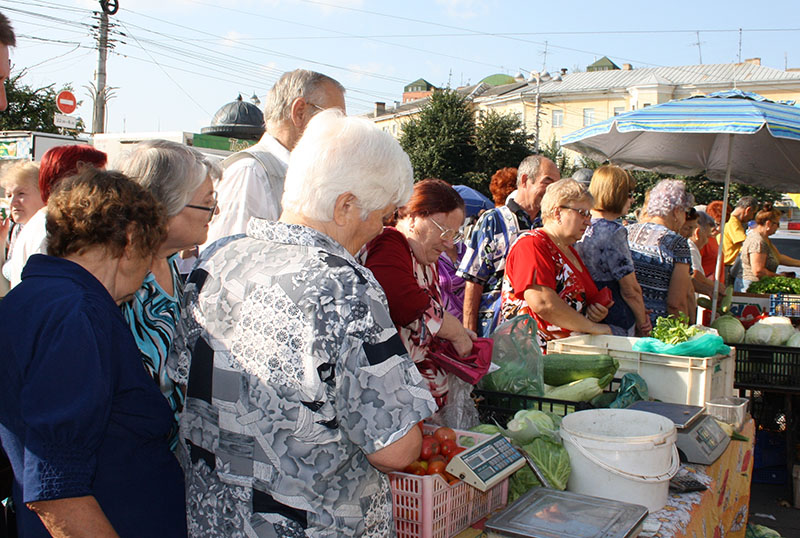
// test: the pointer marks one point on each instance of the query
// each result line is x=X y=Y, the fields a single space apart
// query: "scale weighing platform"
x=486 y=464
x=700 y=438
x=548 y=513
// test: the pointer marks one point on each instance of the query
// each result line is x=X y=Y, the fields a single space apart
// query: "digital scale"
x=700 y=438
x=486 y=464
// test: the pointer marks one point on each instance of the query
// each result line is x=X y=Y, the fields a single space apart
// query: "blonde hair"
x=611 y=186
x=20 y=173
x=561 y=193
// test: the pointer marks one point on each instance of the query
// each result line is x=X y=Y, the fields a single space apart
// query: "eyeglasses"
x=211 y=209
x=585 y=213
x=448 y=235
x=315 y=106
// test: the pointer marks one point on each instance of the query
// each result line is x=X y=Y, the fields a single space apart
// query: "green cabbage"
x=794 y=341
x=552 y=460
x=782 y=329
x=729 y=328
x=488 y=429
x=528 y=424
x=758 y=333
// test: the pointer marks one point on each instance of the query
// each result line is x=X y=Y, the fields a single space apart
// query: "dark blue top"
x=79 y=415
x=605 y=252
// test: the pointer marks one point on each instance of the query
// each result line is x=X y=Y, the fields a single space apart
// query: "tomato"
x=421 y=429
x=458 y=450
x=445 y=434
x=430 y=447
x=415 y=468
x=447 y=447
x=437 y=457
x=424 y=464
x=435 y=467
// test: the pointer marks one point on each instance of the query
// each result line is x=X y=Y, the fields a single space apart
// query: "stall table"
x=719 y=511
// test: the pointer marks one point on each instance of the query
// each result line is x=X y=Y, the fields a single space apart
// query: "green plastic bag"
x=633 y=388
x=516 y=351
x=705 y=345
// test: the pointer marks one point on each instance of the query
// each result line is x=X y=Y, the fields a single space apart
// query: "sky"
x=176 y=62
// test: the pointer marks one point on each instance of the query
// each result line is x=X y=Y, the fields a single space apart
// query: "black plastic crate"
x=500 y=407
x=769 y=410
x=775 y=368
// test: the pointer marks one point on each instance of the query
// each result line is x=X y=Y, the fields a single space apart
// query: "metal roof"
x=679 y=76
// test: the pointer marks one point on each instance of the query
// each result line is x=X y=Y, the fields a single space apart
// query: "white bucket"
x=621 y=454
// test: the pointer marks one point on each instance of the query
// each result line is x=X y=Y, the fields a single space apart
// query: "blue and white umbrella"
x=727 y=135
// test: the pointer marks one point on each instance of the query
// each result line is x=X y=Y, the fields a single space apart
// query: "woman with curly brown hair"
x=84 y=425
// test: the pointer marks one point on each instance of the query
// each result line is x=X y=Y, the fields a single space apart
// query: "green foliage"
x=444 y=141
x=555 y=153
x=439 y=141
x=500 y=141
x=32 y=109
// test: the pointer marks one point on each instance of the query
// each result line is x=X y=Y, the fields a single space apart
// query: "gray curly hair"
x=666 y=196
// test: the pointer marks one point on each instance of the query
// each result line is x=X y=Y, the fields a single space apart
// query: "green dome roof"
x=498 y=79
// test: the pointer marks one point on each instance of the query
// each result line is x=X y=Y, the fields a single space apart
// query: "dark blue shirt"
x=79 y=415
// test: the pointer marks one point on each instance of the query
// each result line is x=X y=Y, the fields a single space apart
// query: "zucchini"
x=581 y=390
x=563 y=368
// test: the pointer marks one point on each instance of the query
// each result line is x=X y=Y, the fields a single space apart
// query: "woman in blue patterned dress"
x=181 y=179
x=604 y=249
x=660 y=255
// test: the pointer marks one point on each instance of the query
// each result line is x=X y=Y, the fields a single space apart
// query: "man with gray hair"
x=252 y=181
x=484 y=261
x=7 y=40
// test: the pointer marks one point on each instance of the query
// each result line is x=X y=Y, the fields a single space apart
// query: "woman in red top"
x=403 y=259
x=546 y=278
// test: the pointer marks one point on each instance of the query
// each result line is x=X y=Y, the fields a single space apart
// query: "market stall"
x=609 y=376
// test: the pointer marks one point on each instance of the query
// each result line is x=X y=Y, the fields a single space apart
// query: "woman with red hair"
x=504 y=182
x=403 y=259
x=57 y=163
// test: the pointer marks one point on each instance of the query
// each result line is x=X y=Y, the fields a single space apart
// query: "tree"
x=500 y=141
x=32 y=109
x=440 y=140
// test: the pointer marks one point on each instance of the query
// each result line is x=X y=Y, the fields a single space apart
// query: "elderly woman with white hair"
x=661 y=255
x=20 y=182
x=545 y=276
x=180 y=178
x=301 y=394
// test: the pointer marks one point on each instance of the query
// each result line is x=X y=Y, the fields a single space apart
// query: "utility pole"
x=539 y=101
x=108 y=7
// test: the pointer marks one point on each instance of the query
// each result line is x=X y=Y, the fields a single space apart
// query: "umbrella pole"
x=725 y=190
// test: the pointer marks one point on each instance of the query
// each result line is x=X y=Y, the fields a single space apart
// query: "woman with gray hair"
x=301 y=394
x=660 y=254
x=180 y=178
x=545 y=276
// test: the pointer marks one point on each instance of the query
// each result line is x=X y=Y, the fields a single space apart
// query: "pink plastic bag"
x=470 y=368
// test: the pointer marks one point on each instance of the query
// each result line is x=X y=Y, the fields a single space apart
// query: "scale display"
x=487 y=463
x=703 y=441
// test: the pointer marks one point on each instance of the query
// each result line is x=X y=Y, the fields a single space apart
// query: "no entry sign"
x=66 y=102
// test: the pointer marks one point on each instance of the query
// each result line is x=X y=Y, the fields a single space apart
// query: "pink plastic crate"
x=428 y=507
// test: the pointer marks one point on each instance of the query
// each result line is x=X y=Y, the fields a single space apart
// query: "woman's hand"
x=644 y=328
x=596 y=312
x=463 y=343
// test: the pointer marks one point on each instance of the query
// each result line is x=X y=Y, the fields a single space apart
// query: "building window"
x=558 y=118
x=588 y=116
x=645 y=105
x=618 y=110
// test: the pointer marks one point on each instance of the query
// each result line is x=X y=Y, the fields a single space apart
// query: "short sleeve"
x=530 y=263
x=65 y=405
x=381 y=392
x=680 y=252
x=389 y=259
x=697 y=259
x=480 y=259
x=623 y=265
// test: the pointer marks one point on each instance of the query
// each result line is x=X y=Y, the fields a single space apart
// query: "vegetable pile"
x=437 y=451
x=775 y=284
x=577 y=378
x=773 y=331
x=535 y=432
x=674 y=329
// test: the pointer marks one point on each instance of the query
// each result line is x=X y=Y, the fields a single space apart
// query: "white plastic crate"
x=670 y=378
x=428 y=507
